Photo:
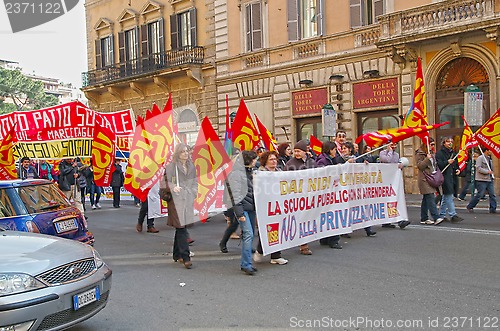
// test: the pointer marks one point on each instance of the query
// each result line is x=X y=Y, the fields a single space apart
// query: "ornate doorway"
x=450 y=87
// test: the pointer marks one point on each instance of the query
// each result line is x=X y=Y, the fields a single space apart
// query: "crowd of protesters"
x=179 y=188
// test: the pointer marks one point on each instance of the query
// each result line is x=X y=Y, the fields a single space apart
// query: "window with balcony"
x=365 y=12
x=152 y=43
x=253 y=26
x=183 y=29
x=305 y=19
x=128 y=45
x=104 y=52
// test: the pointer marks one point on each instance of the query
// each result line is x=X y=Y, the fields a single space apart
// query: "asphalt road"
x=425 y=277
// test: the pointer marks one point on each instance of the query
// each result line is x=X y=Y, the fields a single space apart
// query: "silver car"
x=49 y=283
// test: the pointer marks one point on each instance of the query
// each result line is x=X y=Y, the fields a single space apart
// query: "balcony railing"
x=439 y=15
x=144 y=65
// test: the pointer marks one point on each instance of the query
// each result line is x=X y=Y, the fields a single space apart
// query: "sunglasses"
x=341 y=135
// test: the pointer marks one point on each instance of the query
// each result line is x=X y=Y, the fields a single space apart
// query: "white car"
x=49 y=283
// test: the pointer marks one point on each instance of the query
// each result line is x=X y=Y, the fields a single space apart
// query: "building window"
x=154 y=37
x=253 y=26
x=305 y=19
x=152 y=43
x=365 y=12
x=131 y=45
x=183 y=29
x=104 y=52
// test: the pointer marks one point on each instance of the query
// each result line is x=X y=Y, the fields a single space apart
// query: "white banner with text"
x=297 y=207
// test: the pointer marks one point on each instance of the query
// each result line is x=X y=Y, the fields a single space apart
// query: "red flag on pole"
x=103 y=155
x=316 y=144
x=7 y=161
x=212 y=166
x=489 y=134
x=243 y=131
x=382 y=137
x=151 y=148
x=266 y=136
x=417 y=115
x=467 y=141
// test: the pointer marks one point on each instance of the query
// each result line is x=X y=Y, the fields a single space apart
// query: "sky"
x=56 y=49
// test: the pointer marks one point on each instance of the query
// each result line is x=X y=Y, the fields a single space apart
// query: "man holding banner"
x=484 y=181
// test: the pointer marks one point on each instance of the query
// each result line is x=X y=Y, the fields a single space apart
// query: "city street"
x=424 y=277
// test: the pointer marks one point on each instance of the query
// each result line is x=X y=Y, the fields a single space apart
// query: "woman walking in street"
x=180 y=177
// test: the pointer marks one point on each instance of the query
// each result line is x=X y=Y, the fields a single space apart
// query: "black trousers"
x=116 y=196
x=181 y=246
x=233 y=225
x=143 y=212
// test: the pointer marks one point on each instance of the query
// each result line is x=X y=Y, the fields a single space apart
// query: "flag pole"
x=373 y=150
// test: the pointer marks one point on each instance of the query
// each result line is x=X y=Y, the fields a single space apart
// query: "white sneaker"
x=438 y=221
x=94 y=207
x=427 y=222
x=257 y=257
x=191 y=254
x=279 y=261
x=98 y=205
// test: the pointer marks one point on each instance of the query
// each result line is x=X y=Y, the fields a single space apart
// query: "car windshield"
x=40 y=198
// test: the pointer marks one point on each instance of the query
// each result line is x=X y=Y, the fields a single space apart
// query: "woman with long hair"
x=180 y=176
x=269 y=162
x=284 y=155
x=426 y=162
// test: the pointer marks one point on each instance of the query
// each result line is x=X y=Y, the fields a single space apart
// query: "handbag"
x=435 y=178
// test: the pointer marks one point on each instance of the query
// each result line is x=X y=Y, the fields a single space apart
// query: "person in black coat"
x=117 y=180
x=447 y=163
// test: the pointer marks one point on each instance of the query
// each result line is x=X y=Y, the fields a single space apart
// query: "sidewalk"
x=414 y=200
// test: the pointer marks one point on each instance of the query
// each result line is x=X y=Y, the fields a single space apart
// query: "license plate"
x=85 y=298
x=66 y=225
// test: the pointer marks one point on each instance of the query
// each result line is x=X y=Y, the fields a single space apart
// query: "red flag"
x=103 y=155
x=7 y=162
x=212 y=166
x=417 y=115
x=316 y=144
x=467 y=142
x=243 y=131
x=382 y=137
x=489 y=134
x=151 y=148
x=266 y=136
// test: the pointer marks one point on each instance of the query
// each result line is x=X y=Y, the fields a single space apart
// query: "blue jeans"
x=246 y=247
x=482 y=187
x=94 y=189
x=428 y=205
x=447 y=204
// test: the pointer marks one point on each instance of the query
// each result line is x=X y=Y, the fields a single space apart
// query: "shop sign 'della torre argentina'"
x=376 y=93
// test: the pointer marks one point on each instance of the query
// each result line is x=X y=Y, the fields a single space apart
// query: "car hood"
x=35 y=253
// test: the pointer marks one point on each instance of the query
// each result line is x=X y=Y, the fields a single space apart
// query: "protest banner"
x=297 y=207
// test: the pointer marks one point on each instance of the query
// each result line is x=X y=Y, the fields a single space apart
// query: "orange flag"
x=382 y=137
x=467 y=142
x=316 y=144
x=7 y=162
x=417 y=115
x=212 y=166
x=489 y=134
x=243 y=131
x=266 y=136
x=103 y=154
x=152 y=147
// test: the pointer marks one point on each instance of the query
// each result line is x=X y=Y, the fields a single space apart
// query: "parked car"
x=37 y=205
x=49 y=283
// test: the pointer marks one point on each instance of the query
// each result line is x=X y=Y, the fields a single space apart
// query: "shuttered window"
x=183 y=29
x=365 y=12
x=107 y=51
x=305 y=19
x=253 y=23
